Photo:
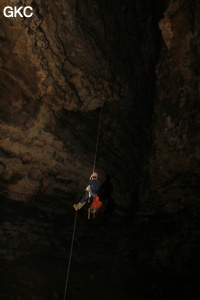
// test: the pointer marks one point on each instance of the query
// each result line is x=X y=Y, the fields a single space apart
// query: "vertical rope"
x=97 y=142
x=95 y=157
x=66 y=284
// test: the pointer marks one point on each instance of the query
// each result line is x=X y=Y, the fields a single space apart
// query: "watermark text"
x=22 y=11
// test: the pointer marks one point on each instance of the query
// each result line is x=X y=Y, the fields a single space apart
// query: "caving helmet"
x=94 y=176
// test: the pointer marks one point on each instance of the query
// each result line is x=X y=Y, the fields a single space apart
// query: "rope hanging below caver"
x=94 y=164
x=70 y=256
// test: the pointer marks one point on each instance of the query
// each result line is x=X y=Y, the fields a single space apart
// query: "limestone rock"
x=174 y=169
x=58 y=68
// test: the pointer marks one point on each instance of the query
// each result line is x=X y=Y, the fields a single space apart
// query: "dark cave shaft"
x=139 y=61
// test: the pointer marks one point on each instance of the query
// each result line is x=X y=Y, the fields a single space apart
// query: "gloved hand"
x=88 y=188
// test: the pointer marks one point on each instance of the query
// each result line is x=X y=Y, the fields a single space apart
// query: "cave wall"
x=57 y=69
x=173 y=179
x=169 y=191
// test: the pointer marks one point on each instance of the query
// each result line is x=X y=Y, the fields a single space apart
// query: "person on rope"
x=91 y=189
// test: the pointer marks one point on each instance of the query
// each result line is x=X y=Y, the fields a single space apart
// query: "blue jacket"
x=94 y=185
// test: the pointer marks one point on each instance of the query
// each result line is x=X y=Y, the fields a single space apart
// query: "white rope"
x=70 y=256
x=97 y=142
x=95 y=157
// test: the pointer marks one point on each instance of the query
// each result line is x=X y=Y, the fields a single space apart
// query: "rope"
x=95 y=157
x=97 y=142
x=70 y=256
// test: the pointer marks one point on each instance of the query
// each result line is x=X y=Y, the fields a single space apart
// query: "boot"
x=78 y=205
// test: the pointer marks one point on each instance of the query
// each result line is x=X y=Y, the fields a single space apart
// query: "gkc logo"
x=13 y=12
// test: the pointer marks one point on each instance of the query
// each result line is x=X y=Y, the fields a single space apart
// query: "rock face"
x=174 y=171
x=59 y=67
x=124 y=74
x=51 y=57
